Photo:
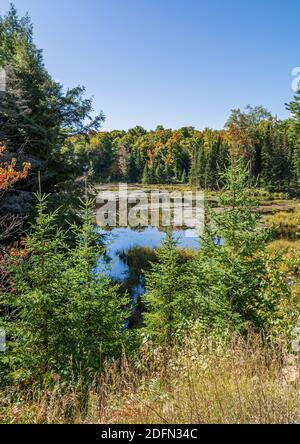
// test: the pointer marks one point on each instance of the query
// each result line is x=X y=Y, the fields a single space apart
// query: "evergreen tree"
x=64 y=316
x=131 y=170
x=267 y=156
x=38 y=316
x=193 y=179
x=140 y=162
x=159 y=172
x=146 y=174
x=167 y=172
x=235 y=285
x=294 y=108
x=98 y=309
x=36 y=115
x=201 y=170
x=166 y=308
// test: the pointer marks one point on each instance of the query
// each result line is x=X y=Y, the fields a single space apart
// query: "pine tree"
x=140 y=162
x=166 y=318
x=294 y=108
x=159 y=172
x=193 y=169
x=201 y=170
x=267 y=156
x=98 y=309
x=65 y=316
x=146 y=174
x=131 y=170
x=36 y=115
x=37 y=322
x=235 y=285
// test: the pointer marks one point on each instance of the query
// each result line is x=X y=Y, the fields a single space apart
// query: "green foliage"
x=294 y=108
x=266 y=143
x=232 y=283
x=100 y=311
x=37 y=115
x=166 y=308
x=146 y=174
x=183 y=177
x=37 y=320
x=235 y=283
x=63 y=317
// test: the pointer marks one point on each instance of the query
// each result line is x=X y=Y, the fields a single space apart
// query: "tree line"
x=191 y=156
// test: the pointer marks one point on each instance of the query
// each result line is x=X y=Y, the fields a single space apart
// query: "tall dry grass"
x=244 y=381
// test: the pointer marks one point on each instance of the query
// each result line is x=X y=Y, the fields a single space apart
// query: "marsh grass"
x=285 y=224
x=244 y=381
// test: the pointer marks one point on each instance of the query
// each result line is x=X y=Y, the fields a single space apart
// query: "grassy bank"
x=243 y=381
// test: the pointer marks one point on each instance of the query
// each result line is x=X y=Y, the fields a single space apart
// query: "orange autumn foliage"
x=8 y=174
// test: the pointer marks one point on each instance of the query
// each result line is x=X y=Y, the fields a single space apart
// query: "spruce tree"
x=234 y=283
x=294 y=108
x=146 y=174
x=37 y=116
x=65 y=317
x=99 y=310
x=159 y=172
x=38 y=315
x=166 y=308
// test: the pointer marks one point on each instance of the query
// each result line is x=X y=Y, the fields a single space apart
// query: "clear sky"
x=170 y=62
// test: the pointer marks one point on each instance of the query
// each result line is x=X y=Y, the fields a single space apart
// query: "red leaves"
x=8 y=174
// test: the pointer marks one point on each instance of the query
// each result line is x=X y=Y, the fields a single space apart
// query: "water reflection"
x=123 y=239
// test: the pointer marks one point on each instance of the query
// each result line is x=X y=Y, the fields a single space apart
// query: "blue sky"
x=170 y=62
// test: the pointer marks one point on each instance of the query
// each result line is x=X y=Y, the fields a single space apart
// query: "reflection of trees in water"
x=138 y=260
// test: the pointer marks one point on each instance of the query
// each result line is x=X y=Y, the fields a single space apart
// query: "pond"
x=122 y=239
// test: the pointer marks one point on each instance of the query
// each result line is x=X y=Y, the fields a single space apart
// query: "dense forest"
x=191 y=156
x=226 y=309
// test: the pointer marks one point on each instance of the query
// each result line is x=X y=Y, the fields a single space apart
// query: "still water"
x=123 y=239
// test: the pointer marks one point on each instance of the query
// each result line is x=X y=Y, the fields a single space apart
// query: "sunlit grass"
x=285 y=224
x=244 y=381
